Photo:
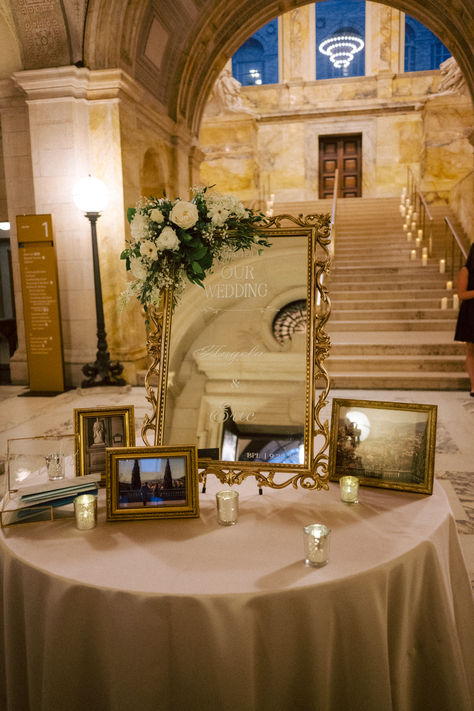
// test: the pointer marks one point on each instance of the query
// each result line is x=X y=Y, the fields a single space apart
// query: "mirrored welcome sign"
x=243 y=364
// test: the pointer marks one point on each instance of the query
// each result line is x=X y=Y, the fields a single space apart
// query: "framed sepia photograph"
x=152 y=482
x=97 y=429
x=384 y=444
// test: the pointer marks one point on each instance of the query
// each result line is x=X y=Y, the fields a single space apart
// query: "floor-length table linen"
x=186 y=614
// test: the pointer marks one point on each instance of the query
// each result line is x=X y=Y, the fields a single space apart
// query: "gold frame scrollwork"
x=317 y=229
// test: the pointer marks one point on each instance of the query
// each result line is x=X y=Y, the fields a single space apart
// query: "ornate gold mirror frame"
x=313 y=474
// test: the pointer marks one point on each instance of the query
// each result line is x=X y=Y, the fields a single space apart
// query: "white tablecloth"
x=185 y=614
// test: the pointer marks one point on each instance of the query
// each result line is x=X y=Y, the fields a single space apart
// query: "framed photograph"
x=152 y=482
x=97 y=429
x=385 y=444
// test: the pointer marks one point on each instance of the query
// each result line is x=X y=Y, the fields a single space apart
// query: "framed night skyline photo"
x=152 y=482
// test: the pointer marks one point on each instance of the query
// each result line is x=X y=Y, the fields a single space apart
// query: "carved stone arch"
x=177 y=50
x=153 y=174
x=453 y=23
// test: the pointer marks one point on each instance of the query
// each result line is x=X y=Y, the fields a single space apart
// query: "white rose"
x=184 y=214
x=137 y=268
x=156 y=215
x=168 y=239
x=148 y=249
x=139 y=226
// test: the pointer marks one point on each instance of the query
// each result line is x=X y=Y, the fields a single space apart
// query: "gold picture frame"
x=98 y=428
x=385 y=444
x=152 y=482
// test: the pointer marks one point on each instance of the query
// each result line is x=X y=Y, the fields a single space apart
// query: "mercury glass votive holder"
x=227 y=507
x=316 y=544
x=55 y=466
x=349 y=486
x=85 y=511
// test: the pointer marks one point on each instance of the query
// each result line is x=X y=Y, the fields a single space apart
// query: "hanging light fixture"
x=341 y=47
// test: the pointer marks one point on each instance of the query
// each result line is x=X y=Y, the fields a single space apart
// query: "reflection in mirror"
x=237 y=369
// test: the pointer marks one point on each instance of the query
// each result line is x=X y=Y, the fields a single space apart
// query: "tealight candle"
x=227 y=507
x=349 y=486
x=455 y=301
x=316 y=544
x=444 y=303
x=449 y=286
x=85 y=511
x=442 y=266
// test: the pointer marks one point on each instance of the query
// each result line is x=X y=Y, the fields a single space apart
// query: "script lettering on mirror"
x=236 y=383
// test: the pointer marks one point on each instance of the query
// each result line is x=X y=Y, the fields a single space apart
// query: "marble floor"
x=25 y=415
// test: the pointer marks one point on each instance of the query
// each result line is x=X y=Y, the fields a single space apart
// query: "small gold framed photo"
x=152 y=482
x=99 y=428
x=384 y=444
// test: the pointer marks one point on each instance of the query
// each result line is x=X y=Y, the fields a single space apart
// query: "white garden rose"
x=184 y=214
x=148 y=249
x=137 y=268
x=156 y=215
x=168 y=239
x=139 y=226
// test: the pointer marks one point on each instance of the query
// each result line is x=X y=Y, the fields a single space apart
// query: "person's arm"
x=462 y=283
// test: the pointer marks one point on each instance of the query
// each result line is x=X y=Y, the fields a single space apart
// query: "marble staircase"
x=387 y=327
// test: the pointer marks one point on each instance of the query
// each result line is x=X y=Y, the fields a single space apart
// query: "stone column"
x=297 y=45
x=73 y=129
x=382 y=40
x=20 y=197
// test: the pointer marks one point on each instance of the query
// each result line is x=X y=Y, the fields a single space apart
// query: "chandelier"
x=341 y=48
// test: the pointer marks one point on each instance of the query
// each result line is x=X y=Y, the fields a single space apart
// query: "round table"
x=186 y=614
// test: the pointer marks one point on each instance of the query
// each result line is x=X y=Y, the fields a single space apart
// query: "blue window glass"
x=423 y=50
x=340 y=39
x=256 y=61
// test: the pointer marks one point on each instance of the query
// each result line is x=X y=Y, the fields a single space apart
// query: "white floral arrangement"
x=174 y=241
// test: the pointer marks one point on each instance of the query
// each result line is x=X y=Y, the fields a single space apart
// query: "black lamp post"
x=90 y=196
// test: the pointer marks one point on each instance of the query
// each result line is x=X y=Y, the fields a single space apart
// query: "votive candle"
x=227 y=507
x=316 y=544
x=85 y=511
x=449 y=286
x=349 y=487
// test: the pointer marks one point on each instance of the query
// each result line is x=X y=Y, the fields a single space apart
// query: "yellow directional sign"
x=39 y=282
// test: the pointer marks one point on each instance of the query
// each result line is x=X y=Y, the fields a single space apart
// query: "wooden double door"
x=345 y=154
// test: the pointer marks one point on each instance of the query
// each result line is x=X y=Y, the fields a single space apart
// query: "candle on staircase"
x=449 y=286
x=455 y=301
x=442 y=266
x=444 y=303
